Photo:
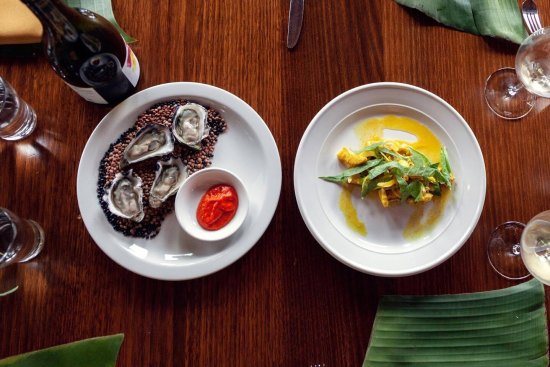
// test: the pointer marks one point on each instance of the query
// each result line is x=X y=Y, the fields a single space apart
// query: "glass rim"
x=3 y=94
x=10 y=217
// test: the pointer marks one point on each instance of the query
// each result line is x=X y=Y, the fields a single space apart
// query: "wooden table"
x=287 y=302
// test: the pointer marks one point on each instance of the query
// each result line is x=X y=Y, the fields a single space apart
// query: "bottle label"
x=131 y=66
x=100 y=71
x=89 y=94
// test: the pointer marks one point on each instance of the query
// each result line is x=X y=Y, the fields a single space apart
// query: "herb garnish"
x=396 y=170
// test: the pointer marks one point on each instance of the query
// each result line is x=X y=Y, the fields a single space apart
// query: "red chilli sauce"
x=217 y=207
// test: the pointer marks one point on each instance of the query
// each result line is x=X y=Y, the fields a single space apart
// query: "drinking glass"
x=535 y=246
x=17 y=118
x=504 y=251
x=20 y=239
x=516 y=250
x=511 y=92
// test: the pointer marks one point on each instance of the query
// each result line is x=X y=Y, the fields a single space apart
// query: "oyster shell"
x=151 y=141
x=168 y=179
x=189 y=125
x=125 y=196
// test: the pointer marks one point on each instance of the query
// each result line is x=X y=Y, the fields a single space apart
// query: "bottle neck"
x=54 y=16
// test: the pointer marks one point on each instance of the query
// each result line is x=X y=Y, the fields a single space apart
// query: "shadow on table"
x=33 y=146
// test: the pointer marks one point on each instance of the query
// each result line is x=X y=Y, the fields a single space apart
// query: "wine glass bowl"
x=517 y=251
x=535 y=246
x=511 y=92
x=533 y=63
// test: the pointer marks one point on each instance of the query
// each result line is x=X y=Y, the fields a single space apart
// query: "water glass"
x=20 y=239
x=17 y=118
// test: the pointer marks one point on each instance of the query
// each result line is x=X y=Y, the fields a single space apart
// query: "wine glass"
x=535 y=246
x=516 y=250
x=511 y=93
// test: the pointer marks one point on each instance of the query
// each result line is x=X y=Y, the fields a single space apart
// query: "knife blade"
x=295 y=18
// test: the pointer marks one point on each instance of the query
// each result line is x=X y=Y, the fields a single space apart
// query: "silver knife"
x=295 y=17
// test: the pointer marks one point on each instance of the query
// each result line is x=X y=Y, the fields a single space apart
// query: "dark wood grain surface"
x=287 y=302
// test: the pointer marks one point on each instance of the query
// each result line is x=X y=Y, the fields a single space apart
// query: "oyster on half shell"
x=189 y=125
x=151 y=141
x=168 y=179
x=125 y=196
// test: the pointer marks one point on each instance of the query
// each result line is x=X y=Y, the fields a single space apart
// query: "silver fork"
x=531 y=15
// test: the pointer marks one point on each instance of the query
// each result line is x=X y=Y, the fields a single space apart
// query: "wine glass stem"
x=515 y=89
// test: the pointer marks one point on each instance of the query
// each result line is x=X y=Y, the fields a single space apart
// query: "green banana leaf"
x=104 y=8
x=95 y=352
x=494 y=18
x=502 y=328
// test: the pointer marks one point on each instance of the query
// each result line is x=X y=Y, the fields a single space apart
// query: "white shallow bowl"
x=247 y=148
x=385 y=250
x=190 y=194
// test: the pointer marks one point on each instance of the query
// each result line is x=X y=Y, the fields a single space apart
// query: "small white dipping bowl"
x=190 y=194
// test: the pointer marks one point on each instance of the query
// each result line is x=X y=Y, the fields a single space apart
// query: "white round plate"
x=385 y=250
x=246 y=148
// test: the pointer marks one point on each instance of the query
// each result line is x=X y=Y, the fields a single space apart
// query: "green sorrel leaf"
x=445 y=175
x=370 y=185
x=380 y=169
x=414 y=190
x=388 y=152
x=436 y=189
x=104 y=8
x=502 y=328
x=419 y=159
x=494 y=18
x=352 y=171
x=443 y=178
x=94 y=352
x=401 y=182
x=445 y=165
x=423 y=172
x=371 y=147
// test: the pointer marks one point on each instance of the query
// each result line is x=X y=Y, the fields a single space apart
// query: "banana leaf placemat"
x=502 y=328
x=94 y=352
x=494 y=18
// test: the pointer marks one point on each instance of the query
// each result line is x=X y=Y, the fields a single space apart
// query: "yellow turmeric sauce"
x=346 y=206
x=425 y=215
x=426 y=142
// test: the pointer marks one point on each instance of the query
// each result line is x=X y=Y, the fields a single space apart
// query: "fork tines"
x=531 y=16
